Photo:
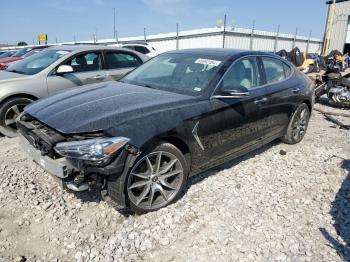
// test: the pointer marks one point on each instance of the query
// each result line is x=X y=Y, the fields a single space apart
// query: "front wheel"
x=157 y=179
x=298 y=125
x=9 y=111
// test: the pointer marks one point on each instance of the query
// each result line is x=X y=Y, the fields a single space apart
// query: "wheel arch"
x=175 y=140
x=19 y=95
x=308 y=103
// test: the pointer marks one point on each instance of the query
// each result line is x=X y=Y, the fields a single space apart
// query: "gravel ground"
x=279 y=203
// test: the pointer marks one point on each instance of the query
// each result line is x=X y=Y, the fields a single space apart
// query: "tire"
x=165 y=182
x=9 y=111
x=297 y=125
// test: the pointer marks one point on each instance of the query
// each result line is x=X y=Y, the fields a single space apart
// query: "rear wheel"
x=157 y=179
x=9 y=111
x=298 y=125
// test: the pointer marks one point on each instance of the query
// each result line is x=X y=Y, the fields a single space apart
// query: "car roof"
x=220 y=51
x=85 y=47
x=81 y=48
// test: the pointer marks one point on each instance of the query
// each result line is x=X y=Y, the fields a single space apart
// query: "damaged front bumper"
x=77 y=176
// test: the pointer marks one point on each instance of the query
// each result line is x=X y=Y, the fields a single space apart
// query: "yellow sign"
x=219 y=22
x=42 y=37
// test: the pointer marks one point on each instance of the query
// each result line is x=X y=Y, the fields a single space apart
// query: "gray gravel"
x=279 y=203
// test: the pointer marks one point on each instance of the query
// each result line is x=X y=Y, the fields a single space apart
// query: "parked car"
x=7 y=53
x=142 y=48
x=56 y=69
x=182 y=112
x=19 y=55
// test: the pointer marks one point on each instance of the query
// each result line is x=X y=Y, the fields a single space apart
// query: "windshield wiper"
x=148 y=86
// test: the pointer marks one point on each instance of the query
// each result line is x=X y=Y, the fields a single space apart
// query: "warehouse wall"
x=239 y=39
x=340 y=25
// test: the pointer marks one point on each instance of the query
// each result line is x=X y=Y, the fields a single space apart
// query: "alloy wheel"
x=11 y=115
x=300 y=124
x=155 y=180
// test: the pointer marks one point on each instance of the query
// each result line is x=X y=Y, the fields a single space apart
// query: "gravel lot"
x=279 y=203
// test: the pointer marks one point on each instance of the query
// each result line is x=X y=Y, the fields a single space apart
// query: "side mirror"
x=64 y=69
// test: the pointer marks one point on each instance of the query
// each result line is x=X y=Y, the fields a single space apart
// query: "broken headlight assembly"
x=97 y=149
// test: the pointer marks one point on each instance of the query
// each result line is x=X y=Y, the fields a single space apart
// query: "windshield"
x=32 y=52
x=6 y=54
x=177 y=72
x=21 y=52
x=37 y=62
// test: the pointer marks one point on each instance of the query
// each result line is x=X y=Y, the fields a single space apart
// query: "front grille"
x=39 y=135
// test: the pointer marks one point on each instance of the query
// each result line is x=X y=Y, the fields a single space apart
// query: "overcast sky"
x=62 y=19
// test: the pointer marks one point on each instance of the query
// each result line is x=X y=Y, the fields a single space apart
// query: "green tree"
x=22 y=43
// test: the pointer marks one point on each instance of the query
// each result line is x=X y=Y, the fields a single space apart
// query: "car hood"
x=6 y=76
x=10 y=59
x=119 y=109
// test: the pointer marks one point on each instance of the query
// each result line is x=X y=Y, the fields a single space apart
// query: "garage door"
x=348 y=32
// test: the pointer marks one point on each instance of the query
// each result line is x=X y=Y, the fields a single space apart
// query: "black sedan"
x=138 y=140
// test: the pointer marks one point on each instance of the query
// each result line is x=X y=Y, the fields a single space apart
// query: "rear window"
x=287 y=70
x=140 y=49
x=117 y=60
x=274 y=70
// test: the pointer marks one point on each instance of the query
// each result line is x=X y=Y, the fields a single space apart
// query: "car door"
x=87 y=69
x=282 y=94
x=234 y=124
x=119 y=63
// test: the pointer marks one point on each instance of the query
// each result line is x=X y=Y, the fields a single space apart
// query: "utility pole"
x=144 y=34
x=329 y=28
x=224 y=33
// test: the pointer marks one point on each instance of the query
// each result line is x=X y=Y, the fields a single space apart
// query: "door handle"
x=260 y=101
x=98 y=77
x=296 y=90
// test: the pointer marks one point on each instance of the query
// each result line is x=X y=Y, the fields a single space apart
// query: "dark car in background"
x=138 y=140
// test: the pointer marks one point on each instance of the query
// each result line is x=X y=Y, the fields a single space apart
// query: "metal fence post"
x=252 y=37
x=295 y=38
x=224 y=33
x=308 y=42
x=177 y=36
x=276 y=39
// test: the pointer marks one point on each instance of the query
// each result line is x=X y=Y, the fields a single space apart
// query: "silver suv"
x=56 y=69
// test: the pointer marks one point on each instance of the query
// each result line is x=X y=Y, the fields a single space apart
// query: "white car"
x=56 y=69
x=142 y=48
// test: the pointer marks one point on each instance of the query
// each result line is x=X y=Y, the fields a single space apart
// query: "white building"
x=239 y=38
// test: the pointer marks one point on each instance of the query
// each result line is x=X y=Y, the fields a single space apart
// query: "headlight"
x=91 y=149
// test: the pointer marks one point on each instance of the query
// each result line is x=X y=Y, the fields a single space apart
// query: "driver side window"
x=85 y=62
x=243 y=73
